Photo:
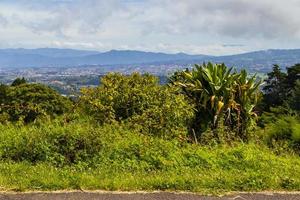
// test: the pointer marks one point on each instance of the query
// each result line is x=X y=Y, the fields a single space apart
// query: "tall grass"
x=75 y=155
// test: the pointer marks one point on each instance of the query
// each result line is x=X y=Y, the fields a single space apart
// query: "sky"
x=214 y=27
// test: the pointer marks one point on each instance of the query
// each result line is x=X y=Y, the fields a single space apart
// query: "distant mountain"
x=262 y=60
x=135 y=57
x=68 y=57
x=45 y=57
x=49 y=52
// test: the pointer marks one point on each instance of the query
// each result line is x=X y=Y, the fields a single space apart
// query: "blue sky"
x=217 y=27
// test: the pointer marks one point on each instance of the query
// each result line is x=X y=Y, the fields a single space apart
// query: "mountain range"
x=53 y=57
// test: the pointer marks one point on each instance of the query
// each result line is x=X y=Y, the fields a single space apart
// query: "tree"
x=3 y=93
x=18 y=81
x=293 y=74
x=26 y=102
x=275 y=90
x=138 y=100
x=294 y=101
x=293 y=84
x=280 y=87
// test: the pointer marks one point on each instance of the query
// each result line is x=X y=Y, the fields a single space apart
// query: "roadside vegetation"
x=211 y=129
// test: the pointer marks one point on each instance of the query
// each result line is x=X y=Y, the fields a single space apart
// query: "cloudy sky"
x=215 y=27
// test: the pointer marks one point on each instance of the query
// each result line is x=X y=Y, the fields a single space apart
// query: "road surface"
x=143 y=196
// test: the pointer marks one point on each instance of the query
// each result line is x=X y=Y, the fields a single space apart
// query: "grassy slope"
x=81 y=156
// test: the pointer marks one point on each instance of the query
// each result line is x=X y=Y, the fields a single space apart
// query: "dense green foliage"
x=131 y=133
x=219 y=94
x=138 y=100
x=79 y=155
x=282 y=89
x=294 y=100
x=18 y=81
x=285 y=131
x=25 y=102
x=281 y=106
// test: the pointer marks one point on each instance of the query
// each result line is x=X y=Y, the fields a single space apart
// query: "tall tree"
x=280 y=86
x=275 y=91
x=294 y=101
x=18 y=81
x=293 y=74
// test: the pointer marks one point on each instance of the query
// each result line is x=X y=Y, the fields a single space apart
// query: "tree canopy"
x=139 y=100
x=282 y=87
x=24 y=101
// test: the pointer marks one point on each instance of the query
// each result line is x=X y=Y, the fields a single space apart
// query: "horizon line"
x=147 y=51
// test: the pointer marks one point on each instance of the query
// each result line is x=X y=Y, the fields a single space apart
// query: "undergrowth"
x=80 y=155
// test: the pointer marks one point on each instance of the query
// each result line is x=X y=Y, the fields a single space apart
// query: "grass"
x=83 y=156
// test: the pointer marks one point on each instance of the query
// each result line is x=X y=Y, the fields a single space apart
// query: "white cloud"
x=233 y=18
x=62 y=17
x=195 y=26
x=3 y=21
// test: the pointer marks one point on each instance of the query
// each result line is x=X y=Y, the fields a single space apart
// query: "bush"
x=138 y=100
x=72 y=143
x=53 y=141
x=286 y=130
x=76 y=155
x=26 y=102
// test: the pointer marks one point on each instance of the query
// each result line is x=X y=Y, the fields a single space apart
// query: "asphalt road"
x=142 y=196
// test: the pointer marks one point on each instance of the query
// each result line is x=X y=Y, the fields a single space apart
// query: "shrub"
x=26 y=102
x=52 y=141
x=138 y=100
x=59 y=155
x=286 y=130
x=62 y=144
